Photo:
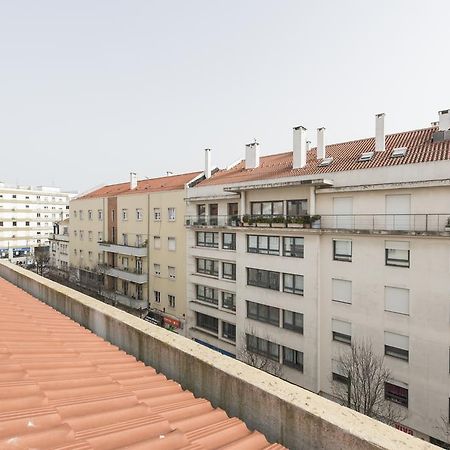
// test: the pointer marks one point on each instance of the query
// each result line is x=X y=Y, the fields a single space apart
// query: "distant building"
x=59 y=249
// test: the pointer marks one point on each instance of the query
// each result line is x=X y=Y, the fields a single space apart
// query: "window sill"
x=207 y=304
x=204 y=330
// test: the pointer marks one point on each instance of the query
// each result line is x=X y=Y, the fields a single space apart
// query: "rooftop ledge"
x=285 y=413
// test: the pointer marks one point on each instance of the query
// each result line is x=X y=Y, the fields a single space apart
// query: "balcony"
x=135 y=276
x=130 y=302
x=122 y=249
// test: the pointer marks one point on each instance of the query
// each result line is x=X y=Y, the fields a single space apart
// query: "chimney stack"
x=308 y=145
x=299 y=148
x=444 y=120
x=379 y=133
x=252 y=155
x=133 y=180
x=321 y=143
x=207 y=163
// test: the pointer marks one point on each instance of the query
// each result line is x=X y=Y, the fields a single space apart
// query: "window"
x=341 y=290
x=172 y=274
x=157 y=296
x=293 y=284
x=125 y=262
x=157 y=214
x=100 y=214
x=139 y=214
x=397 y=394
x=266 y=245
x=207 y=239
x=171 y=300
x=294 y=247
x=75 y=251
x=139 y=240
x=263 y=347
x=337 y=372
x=1 y=223
x=157 y=269
x=14 y=196
x=213 y=214
x=125 y=239
x=229 y=241
x=293 y=321
x=157 y=242
x=342 y=250
x=396 y=300
x=341 y=331
x=207 y=322
x=171 y=214
x=297 y=207
x=14 y=224
x=89 y=214
x=229 y=301
x=293 y=358
x=396 y=345
x=263 y=313
x=27 y=206
x=81 y=214
x=171 y=243
x=228 y=271
x=263 y=278
x=81 y=235
x=39 y=214
x=201 y=213
x=229 y=331
x=100 y=258
x=90 y=235
x=207 y=294
x=27 y=224
x=208 y=267
x=90 y=255
x=100 y=236
x=267 y=208
x=397 y=253
x=124 y=214
x=75 y=233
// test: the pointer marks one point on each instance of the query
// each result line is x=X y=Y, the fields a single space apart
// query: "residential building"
x=26 y=218
x=59 y=249
x=295 y=255
x=133 y=235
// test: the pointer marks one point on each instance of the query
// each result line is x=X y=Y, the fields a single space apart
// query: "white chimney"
x=133 y=180
x=207 y=162
x=321 y=143
x=379 y=133
x=308 y=145
x=252 y=155
x=299 y=151
x=444 y=120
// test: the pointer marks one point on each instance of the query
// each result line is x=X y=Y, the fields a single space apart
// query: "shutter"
x=396 y=340
x=398 y=210
x=396 y=300
x=343 y=209
x=341 y=327
x=336 y=367
x=397 y=245
x=342 y=290
x=343 y=247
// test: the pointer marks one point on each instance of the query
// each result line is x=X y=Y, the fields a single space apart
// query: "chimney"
x=133 y=180
x=308 y=145
x=444 y=120
x=252 y=155
x=299 y=148
x=321 y=143
x=207 y=163
x=379 y=133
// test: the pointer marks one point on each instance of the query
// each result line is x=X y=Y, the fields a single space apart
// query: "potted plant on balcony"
x=246 y=220
x=315 y=221
x=278 y=222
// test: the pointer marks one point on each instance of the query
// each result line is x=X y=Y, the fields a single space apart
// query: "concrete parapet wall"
x=285 y=413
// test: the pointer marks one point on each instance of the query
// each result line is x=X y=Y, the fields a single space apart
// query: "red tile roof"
x=169 y=183
x=345 y=157
x=64 y=388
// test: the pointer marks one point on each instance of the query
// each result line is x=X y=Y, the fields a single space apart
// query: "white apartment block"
x=26 y=218
x=294 y=255
x=59 y=248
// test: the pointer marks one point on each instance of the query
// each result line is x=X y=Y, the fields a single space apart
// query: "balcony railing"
x=130 y=248
x=126 y=273
x=420 y=223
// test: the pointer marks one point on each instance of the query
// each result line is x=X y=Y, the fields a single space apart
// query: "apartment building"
x=59 y=249
x=295 y=255
x=26 y=218
x=132 y=237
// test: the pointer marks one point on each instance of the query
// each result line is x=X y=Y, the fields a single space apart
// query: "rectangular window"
x=125 y=262
x=342 y=331
x=342 y=250
x=293 y=247
x=229 y=331
x=90 y=255
x=171 y=214
x=213 y=214
x=396 y=345
x=293 y=358
x=263 y=313
x=171 y=244
x=273 y=208
x=207 y=322
x=81 y=235
x=229 y=241
x=90 y=235
x=14 y=224
x=397 y=253
x=124 y=214
x=297 y=207
x=27 y=224
x=90 y=214
x=396 y=300
x=157 y=214
x=293 y=284
x=157 y=269
x=263 y=347
x=157 y=242
x=341 y=290
x=293 y=321
x=139 y=214
x=171 y=300
x=207 y=294
x=337 y=372
x=207 y=239
x=172 y=273
x=229 y=301
x=100 y=214
x=157 y=296
x=100 y=236
x=263 y=278
x=201 y=214
x=395 y=393
x=124 y=239
x=228 y=271
x=208 y=266
x=266 y=245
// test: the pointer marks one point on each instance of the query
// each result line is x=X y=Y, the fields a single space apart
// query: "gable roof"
x=420 y=148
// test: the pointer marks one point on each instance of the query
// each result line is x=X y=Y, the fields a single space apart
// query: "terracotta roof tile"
x=64 y=388
x=419 y=143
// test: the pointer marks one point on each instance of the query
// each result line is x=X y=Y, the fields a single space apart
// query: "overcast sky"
x=93 y=89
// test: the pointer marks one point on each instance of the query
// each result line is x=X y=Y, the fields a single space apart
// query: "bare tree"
x=362 y=384
x=41 y=258
x=443 y=428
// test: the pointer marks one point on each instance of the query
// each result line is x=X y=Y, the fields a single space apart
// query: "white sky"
x=93 y=89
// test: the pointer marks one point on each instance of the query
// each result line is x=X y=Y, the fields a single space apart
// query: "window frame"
x=294 y=326
x=268 y=316
x=270 y=284
x=229 y=336
x=297 y=203
x=214 y=300
x=296 y=253
x=342 y=257
x=214 y=243
x=233 y=303
x=395 y=262
x=260 y=249
x=294 y=363
x=294 y=290
x=204 y=271
x=260 y=343
x=261 y=208
x=401 y=400
x=232 y=245
x=229 y=276
x=211 y=329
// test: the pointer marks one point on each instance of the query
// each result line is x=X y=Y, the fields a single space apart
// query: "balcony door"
x=398 y=212
x=343 y=212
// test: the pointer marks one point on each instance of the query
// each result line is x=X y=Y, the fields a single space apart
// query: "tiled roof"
x=169 y=183
x=64 y=388
x=345 y=156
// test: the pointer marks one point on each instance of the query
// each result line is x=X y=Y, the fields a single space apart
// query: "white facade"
x=59 y=248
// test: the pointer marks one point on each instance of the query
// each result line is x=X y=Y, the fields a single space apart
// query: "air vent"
x=399 y=152
x=366 y=156
x=326 y=161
